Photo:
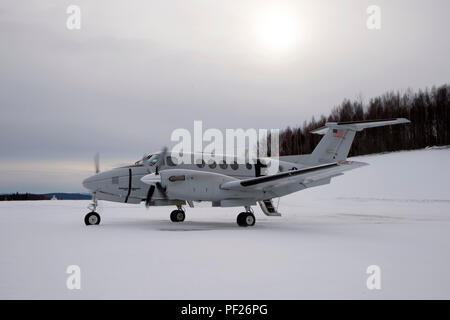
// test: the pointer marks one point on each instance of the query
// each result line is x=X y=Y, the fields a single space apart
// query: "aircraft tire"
x=246 y=219
x=92 y=218
x=177 y=216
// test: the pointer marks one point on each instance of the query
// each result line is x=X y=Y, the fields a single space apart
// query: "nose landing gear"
x=92 y=218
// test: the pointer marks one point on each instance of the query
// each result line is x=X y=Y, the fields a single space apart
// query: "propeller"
x=151 y=191
x=148 y=200
x=97 y=162
x=161 y=160
x=94 y=204
x=157 y=184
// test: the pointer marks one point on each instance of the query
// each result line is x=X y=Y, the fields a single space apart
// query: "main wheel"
x=246 y=219
x=92 y=218
x=177 y=216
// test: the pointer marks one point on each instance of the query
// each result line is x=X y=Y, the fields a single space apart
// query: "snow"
x=394 y=213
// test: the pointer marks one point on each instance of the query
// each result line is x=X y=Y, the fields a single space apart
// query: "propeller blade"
x=148 y=200
x=161 y=160
x=163 y=155
x=97 y=162
x=145 y=163
x=161 y=189
x=94 y=204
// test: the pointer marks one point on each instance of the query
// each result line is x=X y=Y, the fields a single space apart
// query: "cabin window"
x=212 y=165
x=172 y=161
x=115 y=180
x=248 y=166
x=223 y=165
x=234 y=166
x=201 y=165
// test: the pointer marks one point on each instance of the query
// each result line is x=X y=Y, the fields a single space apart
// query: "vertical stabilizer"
x=338 y=138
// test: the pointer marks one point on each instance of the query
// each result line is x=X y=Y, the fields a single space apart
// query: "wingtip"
x=404 y=120
x=354 y=163
x=360 y=163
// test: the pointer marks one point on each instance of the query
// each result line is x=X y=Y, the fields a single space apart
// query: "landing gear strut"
x=246 y=219
x=177 y=215
x=92 y=218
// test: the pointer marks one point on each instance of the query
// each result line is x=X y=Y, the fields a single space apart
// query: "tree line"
x=22 y=196
x=428 y=110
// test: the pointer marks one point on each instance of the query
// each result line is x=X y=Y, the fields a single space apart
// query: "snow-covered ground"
x=394 y=213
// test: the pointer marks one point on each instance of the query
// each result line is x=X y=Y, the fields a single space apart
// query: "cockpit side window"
x=171 y=161
x=153 y=159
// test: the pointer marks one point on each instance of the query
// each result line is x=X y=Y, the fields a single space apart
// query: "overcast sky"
x=137 y=70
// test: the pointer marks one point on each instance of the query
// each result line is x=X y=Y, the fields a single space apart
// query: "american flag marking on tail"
x=338 y=133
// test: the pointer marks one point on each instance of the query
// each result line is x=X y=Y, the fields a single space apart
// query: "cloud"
x=138 y=70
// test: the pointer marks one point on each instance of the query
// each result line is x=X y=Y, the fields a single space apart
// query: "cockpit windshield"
x=151 y=159
x=141 y=161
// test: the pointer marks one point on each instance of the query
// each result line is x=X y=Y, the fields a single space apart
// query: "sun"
x=277 y=28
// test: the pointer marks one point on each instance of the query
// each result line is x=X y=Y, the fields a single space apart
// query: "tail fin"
x=338 y=138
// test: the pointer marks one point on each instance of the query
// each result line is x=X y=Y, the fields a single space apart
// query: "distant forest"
x=428 y=110
x=47 y=196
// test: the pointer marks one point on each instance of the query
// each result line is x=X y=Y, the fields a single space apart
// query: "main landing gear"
x=246 y=219
x=178 y=215
x=92 y=218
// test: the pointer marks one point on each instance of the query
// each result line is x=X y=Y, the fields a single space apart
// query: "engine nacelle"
x=191 y=184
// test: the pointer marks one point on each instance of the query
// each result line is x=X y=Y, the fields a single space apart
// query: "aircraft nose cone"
x=91 y=183
x=151 y=179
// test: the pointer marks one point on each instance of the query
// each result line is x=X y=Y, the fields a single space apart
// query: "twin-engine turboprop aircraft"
x=160 y=181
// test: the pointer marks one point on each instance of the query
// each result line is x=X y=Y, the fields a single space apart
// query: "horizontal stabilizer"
x=359 y=125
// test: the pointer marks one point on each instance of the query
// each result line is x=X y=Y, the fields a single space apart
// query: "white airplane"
x=159 y=180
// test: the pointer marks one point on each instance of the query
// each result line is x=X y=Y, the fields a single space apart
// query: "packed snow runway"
x=394 y=213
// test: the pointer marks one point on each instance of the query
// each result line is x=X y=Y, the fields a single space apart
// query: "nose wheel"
x=177 y=215
x=92 y=218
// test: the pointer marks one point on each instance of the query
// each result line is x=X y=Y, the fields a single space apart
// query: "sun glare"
x=277 y=28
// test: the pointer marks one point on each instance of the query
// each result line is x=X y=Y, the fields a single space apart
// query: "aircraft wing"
x=305 y=176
